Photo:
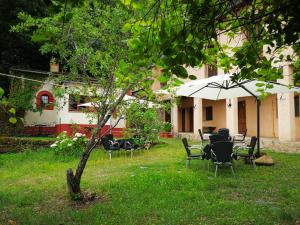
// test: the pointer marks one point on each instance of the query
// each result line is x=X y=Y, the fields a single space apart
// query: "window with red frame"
x=44 y=100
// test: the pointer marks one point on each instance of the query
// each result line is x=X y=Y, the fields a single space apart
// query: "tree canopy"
x=188 y=33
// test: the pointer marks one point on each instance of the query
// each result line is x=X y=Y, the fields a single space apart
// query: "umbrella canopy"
x=126 y=98
x=222 y=87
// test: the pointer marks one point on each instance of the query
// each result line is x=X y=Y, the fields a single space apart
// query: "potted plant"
x=54 y=65
x=166 y=131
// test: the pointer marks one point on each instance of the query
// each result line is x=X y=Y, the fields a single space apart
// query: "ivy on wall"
x=22 y=93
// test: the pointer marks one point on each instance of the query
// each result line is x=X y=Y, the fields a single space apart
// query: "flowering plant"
x=69 y=145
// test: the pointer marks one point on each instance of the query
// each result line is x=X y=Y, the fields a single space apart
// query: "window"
x=297 y=108
x=44 y=100
x=75 y=101
x=209 y=113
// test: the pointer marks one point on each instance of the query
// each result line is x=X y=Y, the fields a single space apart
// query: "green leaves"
x=179 y=71
x=1 y=92
x=13 y=120
x=3 y=106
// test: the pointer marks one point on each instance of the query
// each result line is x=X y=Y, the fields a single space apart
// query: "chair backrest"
x=252 y=144
x=224 y=132
x=186 y=146
x=222 y=150
x=216 y=137
x=109 y=137
x=201 y=135
x=106 y=143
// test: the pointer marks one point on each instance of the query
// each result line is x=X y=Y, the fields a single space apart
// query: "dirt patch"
x=88 y=199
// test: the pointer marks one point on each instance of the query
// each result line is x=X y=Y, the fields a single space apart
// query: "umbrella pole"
x=258 y=126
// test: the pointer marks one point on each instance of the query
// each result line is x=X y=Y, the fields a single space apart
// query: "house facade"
x=279 y=113
x=58 y=114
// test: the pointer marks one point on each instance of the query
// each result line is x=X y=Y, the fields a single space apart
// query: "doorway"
x=242 y=117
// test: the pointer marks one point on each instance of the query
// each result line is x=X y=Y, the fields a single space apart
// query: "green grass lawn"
x=152 y=188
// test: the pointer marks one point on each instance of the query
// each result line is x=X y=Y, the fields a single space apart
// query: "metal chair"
x=109 y=144
x=188 y=149
x=249 y=156
x=216 y=137
x=225 y=133
x=239 y=139
x=222 y=154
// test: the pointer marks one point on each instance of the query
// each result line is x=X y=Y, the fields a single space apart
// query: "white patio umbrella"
x=222 y=87
x=126 y=98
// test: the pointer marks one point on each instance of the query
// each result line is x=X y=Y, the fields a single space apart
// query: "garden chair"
x=225 y=133
x=109 y=144
x=239 y=139
x=216 y=137
x=222 y=154
x=188 y=150
x=249 y=156
x=127 y=145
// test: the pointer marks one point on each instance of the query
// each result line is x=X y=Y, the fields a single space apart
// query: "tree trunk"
x=73 y=181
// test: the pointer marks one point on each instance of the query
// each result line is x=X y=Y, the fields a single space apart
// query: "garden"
x=153 y=187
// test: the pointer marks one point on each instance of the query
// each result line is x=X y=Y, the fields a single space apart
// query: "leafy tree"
x=89 y=42
x=143 y=123
x=187 y=32
x=4 y=107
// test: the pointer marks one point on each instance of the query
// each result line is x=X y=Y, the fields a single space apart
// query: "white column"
x=174 y=118
x=232 y=115
x=198 y=120
x=286 y=109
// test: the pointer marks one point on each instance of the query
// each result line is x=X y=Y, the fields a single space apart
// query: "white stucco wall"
x=46 y=117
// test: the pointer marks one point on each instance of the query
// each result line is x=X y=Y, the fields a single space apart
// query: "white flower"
x=78 y=134
x=83 y=135
x=64 y=131
x=70 y=144
x=75 y=139
x=53 y=145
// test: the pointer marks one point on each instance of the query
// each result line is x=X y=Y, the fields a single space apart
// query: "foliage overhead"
x=188 y=32
x=4 y=106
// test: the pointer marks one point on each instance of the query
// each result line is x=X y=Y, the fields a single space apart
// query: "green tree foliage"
x=4 y=106
x=89 y=42
x=188 y=32
x=143 y=123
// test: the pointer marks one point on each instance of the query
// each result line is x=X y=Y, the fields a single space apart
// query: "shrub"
x=69 y=145
x=167 y=127
x=143 y=124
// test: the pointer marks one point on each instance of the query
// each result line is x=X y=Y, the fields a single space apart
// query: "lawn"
x=152 y=188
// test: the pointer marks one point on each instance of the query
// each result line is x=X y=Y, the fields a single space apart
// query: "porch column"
x=174 y=118
x=198 y=120
x=286 y=109
x=232 y=115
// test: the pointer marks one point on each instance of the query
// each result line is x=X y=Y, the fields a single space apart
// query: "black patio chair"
x=239 y=139
x=109 y=144
x=249 y=156
x=188 y=149
x=222 y=154
x=225 y=133
x=201 y=137
x=127 y=145
x=216 y=137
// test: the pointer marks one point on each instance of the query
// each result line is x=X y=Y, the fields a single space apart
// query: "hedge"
x=16 y=144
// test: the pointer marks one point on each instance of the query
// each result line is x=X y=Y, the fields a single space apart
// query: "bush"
x=143 y=124
x=17 y=144
x=167 y=127
x=69 y=145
